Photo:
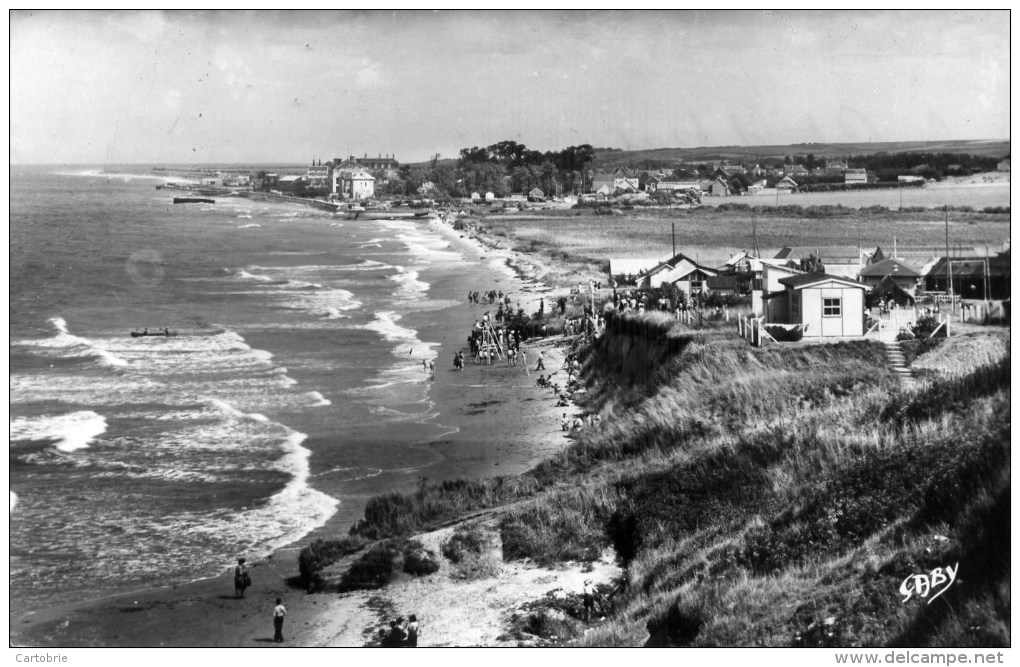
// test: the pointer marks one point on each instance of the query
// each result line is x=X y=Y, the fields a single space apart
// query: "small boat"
x=193 y=200
x=165 y=333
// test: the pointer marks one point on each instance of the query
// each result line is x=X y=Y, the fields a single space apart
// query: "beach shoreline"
x=486 y=412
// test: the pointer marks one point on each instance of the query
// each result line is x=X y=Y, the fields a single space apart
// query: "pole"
x=673 y=225
x=949 y=264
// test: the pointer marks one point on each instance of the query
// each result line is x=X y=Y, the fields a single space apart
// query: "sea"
x=144 y=461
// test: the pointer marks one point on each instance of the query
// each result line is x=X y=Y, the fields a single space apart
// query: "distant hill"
x=664 y=157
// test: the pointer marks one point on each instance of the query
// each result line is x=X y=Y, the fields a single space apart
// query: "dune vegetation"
x=773 y=496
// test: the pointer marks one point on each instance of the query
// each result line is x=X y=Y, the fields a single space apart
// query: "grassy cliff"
x=774 y=496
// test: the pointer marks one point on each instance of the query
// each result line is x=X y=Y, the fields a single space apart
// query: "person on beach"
x=432 y=367
x=540 y=366
x=242 y=579
x=412 y=632
x=279 y=611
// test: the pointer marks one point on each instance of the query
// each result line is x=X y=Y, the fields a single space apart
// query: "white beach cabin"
x=826 y=305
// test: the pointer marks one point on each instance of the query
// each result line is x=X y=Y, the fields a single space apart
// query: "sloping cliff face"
x=636 y=350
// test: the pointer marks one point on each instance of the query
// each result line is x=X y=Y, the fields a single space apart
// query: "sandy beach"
x=489 y=411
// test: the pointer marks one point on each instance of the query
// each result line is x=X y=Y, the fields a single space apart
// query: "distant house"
x=682 y=272
x=356 y=184
x=625 y=184
x=795 y=170
x=970 y=274
x=489 y=196
x=909 y=179
x=604 y=190
x=855 y=176
x=536 y=195
x=317 y=175
x=603 y=180
x=719 y=188
x=902 y=275
x=475 y=196
x=1003 y=166
x=835 y=166
x=290 y=183
x=787 y=185
x=826 y=305
x=678 y=186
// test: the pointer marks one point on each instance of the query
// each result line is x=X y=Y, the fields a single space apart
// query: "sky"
x=105 y=87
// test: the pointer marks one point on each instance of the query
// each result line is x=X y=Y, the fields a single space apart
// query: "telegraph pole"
x=949 y=264
x=673 y=225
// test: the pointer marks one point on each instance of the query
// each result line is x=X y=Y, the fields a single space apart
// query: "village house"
x=855 y=176
x=719 y=188
x=795 y=170
x=355 y=184
x=536 y=195
x=680 y=271
x=625 y=184
x=290 y=183
x=970 y=275
x=893 y=271
x=787 y=185
x=826 y=306
x=317 y=175
x=765 y=285
x=1003 y=166
x=835 y=166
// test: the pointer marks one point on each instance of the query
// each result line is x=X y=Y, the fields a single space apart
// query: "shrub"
x=418 y=560
x=924 y=327
x=373 y=570
x=321 y=553
x=905 y=334
x=465 y=541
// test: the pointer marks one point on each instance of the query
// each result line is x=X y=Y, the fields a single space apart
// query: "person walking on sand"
x=540 y=366
x=279 y=611
x=241 y=578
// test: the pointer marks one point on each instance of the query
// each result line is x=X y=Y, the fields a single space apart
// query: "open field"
x=617 y=158
x=711 y=235
x=976 y=196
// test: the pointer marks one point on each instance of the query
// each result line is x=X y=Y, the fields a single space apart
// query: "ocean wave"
x=71 y=431
x=385 y=324
x=320 y=400
x=254 y=224
x=64 y=340
x=409 y=287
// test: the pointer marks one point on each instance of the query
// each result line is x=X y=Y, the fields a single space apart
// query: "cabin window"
x=832 y=307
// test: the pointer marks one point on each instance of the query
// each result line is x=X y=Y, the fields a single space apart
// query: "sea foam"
x=71 y=431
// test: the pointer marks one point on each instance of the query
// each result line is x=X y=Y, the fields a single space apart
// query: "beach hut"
x=826 y=305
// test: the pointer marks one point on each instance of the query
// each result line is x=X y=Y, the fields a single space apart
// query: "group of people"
x=492 y=296
x=401 y=633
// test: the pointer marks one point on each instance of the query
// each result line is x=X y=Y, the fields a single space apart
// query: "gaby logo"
x=935 y=584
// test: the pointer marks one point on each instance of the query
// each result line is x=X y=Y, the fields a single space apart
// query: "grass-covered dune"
x=775 y=496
